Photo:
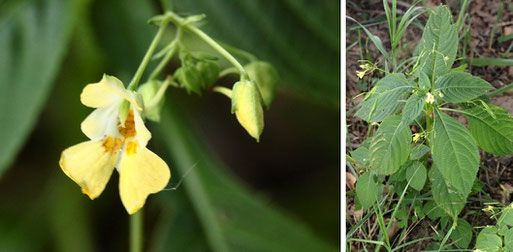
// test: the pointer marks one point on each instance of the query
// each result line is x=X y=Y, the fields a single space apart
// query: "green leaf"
x=439 y=43
x=508 y=240
x=384 y=99
x=367 y=190
x=454 y=152
x=445 y=196
x=432 y=210
x=488 y=240
x=416 y=173
x=506 y=217
x=361 y=154
x=233 y=218
x=461 y=87
x=375 y=39
x=493 y=135
x=309 y=69
x=424 y=81
x=419 y=151
x=413 y=107
x=33 y=40
x=462 y=235
x=390 y=146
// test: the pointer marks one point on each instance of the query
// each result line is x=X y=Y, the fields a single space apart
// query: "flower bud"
x=152 y=108
x=190 y=78
x=266 y=77
x=209 y=70
x=247 y=106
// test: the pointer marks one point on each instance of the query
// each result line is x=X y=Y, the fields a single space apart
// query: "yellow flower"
x=115 y=144
x=360 y=74
x=416 y=137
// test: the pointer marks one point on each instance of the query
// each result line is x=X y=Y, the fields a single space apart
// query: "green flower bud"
x=247 y=106
x=152 y=108
x=266 y=77
x=209 y=70
x=190 y=78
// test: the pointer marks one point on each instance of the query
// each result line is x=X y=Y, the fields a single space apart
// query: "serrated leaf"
x=454 y=152
x=432 y=210
x=367 y=190
x=488 y=240
x=416 y=173
x=33 y=40
x=445 y=196
x=461 y=87
x=506 y=217
x=390 y=146
x=385 y=97
x=508 y=240
x=413 y=107
x=439 y=43
x=400 y=175
x=462 y=234
x=493 y=135
x=361 y=155
x=424 y=81
x=418 y=152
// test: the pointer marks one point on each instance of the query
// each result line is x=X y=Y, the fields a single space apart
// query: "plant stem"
x=238 y=51
x=179 y=21
x=136 y=231
x=138 y=74
x=462 y=12
x=223 y=90
x=173 y=47
x=219 y=49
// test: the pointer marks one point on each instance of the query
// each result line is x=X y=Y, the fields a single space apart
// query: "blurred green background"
x=281 y=194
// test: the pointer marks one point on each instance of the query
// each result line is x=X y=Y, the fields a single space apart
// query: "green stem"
x=138 y=74
x=462 y=13
x=160 y=93
x=219 y=49
x=238 y=51
x=179 y=21
x=172 y=50
x=223 y=90
x=136 y=231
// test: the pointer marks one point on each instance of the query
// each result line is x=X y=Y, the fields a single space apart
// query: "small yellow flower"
x=446 y=58
x=430 y=98
x=441 y=94
x=360 y=74
x=489 y=208
x=115 y=144
x=416 y=137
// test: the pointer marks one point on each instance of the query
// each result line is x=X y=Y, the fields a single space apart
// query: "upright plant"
x=423 y=98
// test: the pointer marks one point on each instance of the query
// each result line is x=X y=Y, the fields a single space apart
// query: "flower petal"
x=108 y=91
x=142 y=133
x=90 y=164
x=101 y=122
x=141 y=173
